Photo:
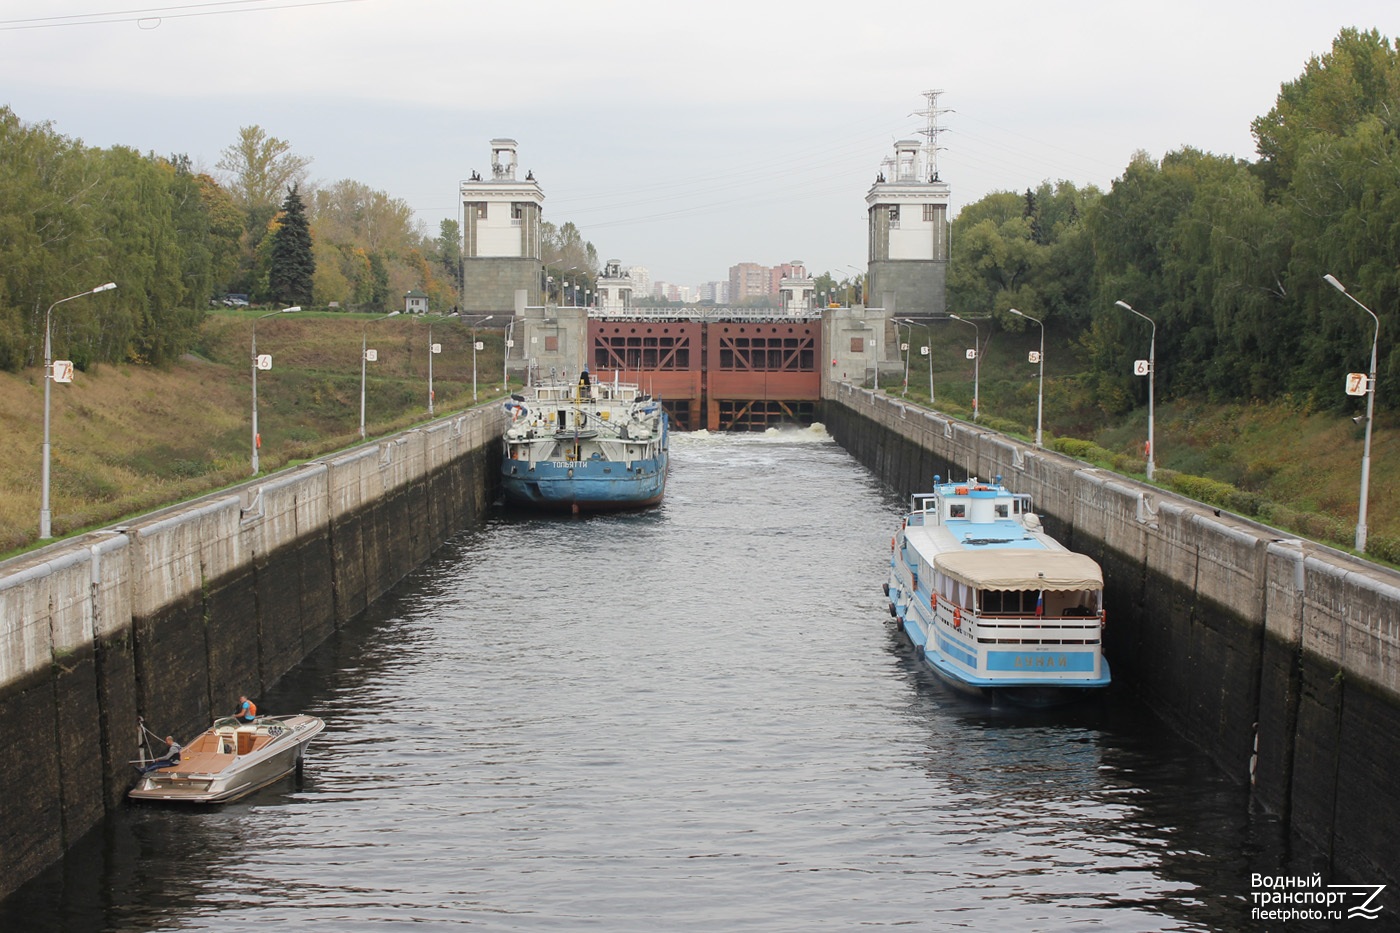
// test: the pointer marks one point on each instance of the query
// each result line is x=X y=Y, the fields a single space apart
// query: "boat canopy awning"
x=1021 y=569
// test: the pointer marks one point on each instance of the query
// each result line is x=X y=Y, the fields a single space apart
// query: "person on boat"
x=247 y=711
x=171 y=756
x=584 y=384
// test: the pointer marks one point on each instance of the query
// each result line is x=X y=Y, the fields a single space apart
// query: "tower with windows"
x=908 y=235
x=501 y=241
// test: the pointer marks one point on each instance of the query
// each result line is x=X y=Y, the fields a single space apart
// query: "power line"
x=160 y=13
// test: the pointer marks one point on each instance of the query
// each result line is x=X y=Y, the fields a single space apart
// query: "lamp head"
x=290 y=310
x=103 y=288
x=1331 y=279
x=1015 y=312
x=1124 y=305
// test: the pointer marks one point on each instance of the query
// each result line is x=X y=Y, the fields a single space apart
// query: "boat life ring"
x=933 y=600
x=892 y=537
x=957 y=618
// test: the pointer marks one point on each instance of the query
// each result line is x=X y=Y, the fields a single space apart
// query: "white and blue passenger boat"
x=585 y=447
x=992 y=603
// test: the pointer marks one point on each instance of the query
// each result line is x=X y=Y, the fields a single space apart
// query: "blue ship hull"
x=592 y=485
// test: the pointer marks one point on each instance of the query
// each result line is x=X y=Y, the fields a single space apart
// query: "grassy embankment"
x=1286 y=462
x=126 y=439
x=130 y=438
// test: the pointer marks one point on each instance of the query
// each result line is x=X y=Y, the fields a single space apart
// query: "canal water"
x=697 y=718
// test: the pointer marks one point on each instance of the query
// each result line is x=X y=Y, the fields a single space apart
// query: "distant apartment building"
x=641 y=280
x=748 y=281
x=715 y=292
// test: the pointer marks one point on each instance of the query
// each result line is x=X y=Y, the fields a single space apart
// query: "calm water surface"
x=695 y=718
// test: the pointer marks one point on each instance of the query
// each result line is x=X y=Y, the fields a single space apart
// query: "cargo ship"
x=585 y=446
x=991 y=602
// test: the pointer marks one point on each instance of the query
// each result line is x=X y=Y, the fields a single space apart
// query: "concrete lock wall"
x=173 y=615
x=1279 y=657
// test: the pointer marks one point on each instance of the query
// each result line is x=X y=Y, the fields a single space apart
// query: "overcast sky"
x=681 y=138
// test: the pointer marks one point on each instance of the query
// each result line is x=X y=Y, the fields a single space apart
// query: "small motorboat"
x=229 y=760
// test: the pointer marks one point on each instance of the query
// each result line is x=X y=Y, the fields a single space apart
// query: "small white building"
x=796 y=290
x=415 y=302
x=614 y=289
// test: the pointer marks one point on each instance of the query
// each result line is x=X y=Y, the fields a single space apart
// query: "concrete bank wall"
x=173 y=615
x=1232 y=631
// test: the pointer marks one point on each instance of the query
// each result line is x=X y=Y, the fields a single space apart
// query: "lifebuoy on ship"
x=957 y=618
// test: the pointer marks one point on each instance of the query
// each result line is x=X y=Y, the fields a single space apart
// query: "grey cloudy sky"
x=684 y=138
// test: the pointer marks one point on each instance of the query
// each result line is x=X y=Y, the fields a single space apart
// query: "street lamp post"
x=904 y=348
x=859 y=283
x=1040 y=358
x=474 y=345
x=257 y=439
x=1151 y=385
x=505 y=355
x=976 y=366
x=432 y=350
x=364 y=357
x=45 y=516
x=1370 y=410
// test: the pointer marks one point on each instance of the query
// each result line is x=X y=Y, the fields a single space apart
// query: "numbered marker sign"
x=1356 y=382
x=264 y=361
x=371 y=355
x=923 y=351
x=1035 y=356
x=972 y=354
x=479 y=345
x=1141 y=367
x=437 y=348
x=62 y=370
x=904 y=348
x=510 y=343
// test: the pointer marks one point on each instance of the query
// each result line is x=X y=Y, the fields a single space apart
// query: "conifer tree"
x=292 y=264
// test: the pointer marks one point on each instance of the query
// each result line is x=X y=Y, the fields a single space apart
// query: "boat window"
x=957 y=510
x=1002 y=510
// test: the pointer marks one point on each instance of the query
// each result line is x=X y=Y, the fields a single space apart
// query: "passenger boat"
x=230 y=760
x=994 y=605
x=585 y=447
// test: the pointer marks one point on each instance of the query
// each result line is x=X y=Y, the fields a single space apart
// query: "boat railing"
x=1062 y=629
